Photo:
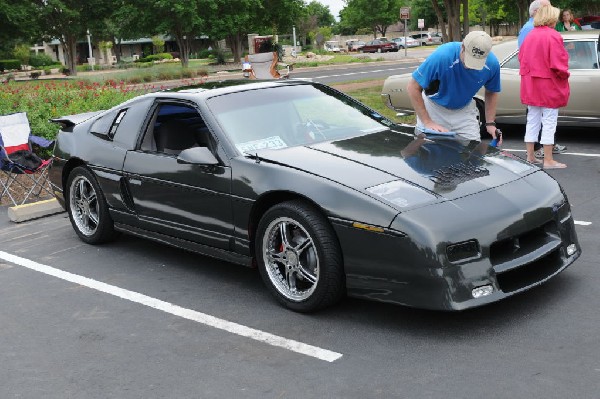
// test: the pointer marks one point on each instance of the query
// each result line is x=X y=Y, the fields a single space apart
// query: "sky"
x=334 y=6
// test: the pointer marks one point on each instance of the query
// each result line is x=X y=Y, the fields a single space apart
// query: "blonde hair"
x=546 y=16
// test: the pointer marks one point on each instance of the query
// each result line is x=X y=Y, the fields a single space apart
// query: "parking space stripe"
x=203 y=318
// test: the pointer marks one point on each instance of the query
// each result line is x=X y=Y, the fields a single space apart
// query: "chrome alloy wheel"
x=83 y=204
x=291 y=259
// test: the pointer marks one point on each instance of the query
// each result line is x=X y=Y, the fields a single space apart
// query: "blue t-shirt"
x=528 y=27
x=457 y=84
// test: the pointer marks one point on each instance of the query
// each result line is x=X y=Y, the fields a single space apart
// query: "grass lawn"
x=369 y=93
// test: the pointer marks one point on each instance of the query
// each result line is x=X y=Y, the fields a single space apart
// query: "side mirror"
x=197 y=156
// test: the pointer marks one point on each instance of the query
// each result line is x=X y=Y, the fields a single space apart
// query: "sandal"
x=536 y=161
x=556 y=165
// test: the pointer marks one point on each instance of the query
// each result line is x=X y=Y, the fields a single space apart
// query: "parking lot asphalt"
x=135 y=319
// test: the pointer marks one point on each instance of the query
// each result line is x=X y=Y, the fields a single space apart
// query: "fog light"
x=484 y=290
x=571 y=249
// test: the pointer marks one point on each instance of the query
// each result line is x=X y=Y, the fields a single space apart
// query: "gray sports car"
x=322 y=194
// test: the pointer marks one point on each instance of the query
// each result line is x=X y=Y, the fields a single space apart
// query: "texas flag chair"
x=18 y=159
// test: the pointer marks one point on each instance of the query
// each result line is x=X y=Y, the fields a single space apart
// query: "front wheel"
x=299 y=257
x=87 y=208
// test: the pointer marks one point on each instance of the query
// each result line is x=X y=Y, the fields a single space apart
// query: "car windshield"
x=295 y=115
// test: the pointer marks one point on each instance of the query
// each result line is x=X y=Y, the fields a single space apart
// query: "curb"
x=22 y=213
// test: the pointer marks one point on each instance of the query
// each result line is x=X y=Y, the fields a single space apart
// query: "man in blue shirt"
x=442 y=88
x=528 y=27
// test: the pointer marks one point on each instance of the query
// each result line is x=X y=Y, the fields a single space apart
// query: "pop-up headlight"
x=401 y=194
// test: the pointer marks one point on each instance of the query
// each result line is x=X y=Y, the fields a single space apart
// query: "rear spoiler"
x=72 y=120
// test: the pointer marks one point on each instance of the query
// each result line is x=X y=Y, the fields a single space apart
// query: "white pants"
x=547 y=118
x=463 y=121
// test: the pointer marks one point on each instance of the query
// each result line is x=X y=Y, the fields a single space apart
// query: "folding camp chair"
x=22 y=174
x=265 y=66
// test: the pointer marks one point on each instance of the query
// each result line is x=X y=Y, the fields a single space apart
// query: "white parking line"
x=583 y=154
x=359 y=73
x=203 y=318
x=582 y=223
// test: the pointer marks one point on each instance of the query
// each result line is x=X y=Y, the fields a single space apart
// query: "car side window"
x=103 y=124
x=512 y=62
x=174 y=128
x=582 y=55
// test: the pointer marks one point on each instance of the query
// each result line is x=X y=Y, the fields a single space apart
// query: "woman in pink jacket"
x=544 y=82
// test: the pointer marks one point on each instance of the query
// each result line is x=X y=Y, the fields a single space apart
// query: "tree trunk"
x=69 y=45
x=118 y=49
x=440 y=18
x=465 y=10
x=234 y=41
x=453 y=12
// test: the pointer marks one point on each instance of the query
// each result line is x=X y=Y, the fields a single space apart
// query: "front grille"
x=524 y=276
x=522 y=260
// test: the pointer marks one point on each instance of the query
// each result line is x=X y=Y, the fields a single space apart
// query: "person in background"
x=528 y=27
x=544 y=69
x=566 y=22
x=442 y=88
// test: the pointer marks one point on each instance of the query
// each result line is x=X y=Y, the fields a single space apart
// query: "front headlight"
x=401 y=194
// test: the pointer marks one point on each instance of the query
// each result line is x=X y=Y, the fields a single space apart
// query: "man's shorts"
x=463 y=121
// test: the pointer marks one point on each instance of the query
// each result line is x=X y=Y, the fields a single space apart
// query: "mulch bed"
x=18 y=192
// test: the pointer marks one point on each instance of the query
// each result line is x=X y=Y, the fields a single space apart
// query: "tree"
x=236 y=19
x=18 y=24
x=69 y=21
x=377 y=15
x=321 y=12
x=183 y=20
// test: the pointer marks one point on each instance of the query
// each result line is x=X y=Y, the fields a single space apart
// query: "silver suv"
x=427 y=39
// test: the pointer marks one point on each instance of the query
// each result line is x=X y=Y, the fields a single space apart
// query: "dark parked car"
x=324 y=195
x=379 y=46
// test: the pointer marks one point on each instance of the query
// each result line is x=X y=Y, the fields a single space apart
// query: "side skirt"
x=186 y=245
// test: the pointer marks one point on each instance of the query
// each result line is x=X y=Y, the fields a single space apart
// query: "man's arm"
x=491 y=100
x=414 y=93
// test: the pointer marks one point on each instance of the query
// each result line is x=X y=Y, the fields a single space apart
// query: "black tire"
x=481 y=116
x=304 y=270
x=87 y=208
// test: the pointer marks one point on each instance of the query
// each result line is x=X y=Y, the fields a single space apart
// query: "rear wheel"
x=87 y=208
x=299 y=257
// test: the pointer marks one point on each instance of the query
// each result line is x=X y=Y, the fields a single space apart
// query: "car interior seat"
x=174 y=136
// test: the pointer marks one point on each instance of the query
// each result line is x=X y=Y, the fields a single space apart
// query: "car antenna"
x=257 y=158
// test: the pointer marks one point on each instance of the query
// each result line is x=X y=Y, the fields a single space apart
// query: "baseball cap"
x=478 y=45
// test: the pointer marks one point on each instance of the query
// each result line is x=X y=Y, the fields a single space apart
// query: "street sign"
x=421 y=23
x=404 y=12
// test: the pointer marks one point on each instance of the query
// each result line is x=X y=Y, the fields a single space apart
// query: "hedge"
x=7 y=65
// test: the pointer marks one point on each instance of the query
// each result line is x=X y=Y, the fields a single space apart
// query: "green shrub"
x=135 y=80
x=165 y=75
x=41 y=60
x=7 y=65
x=203 y=53
x=147 y=77
x=187 y=73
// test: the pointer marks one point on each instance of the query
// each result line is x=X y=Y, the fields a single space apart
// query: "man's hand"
x=492 y=131
x=431 y=125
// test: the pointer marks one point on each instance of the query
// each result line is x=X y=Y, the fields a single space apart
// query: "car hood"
x=444 y=167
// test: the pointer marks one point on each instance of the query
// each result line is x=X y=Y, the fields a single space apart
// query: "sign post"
x=405 y=16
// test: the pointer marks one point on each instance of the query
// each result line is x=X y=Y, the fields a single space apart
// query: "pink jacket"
x=544 y=69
